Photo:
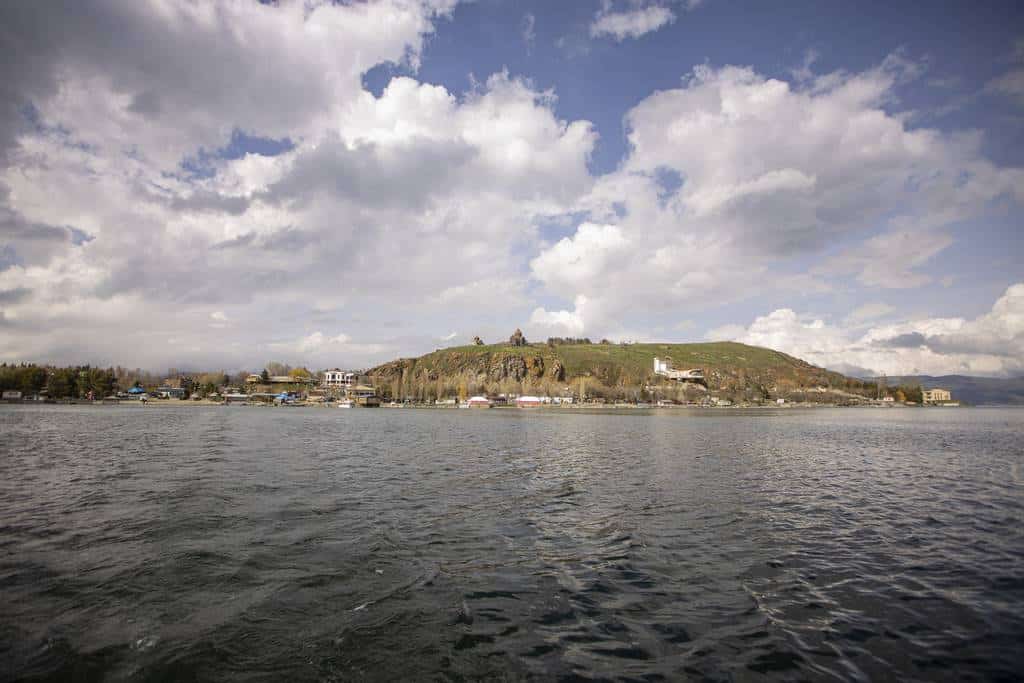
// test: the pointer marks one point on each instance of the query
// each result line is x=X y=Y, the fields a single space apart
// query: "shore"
x=172 y=403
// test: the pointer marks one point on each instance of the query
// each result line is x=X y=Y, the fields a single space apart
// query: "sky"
x=224 y=184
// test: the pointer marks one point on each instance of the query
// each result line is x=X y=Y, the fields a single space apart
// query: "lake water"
x=312 y=544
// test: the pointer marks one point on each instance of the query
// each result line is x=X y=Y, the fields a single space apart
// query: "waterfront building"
x=362 y=395
x=936 y=396
x=169 y=391
x=344 y=379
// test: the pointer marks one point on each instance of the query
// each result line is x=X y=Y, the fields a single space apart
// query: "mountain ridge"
x=971 y=389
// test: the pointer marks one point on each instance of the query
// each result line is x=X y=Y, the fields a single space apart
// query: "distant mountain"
x=974 y=390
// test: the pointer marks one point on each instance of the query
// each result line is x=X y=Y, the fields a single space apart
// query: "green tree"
x=62 y=383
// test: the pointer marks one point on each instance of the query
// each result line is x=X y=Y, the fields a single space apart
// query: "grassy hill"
x=609 y=370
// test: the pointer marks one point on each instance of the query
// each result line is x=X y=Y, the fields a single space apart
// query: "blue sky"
x=339 y=184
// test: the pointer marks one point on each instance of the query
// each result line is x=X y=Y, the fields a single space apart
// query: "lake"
x=242 y=543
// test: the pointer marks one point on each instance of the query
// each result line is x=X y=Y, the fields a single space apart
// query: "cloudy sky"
x=223 y=184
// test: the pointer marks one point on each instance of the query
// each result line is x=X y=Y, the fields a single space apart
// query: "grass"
x=634 y=360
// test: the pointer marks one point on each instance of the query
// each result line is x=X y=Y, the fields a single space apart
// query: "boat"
x=478 y=402
x=346 y=403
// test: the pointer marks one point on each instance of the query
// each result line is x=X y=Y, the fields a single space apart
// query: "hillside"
x=732 y=370
x=972 y=390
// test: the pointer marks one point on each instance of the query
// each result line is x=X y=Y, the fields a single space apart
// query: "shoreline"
x=179 y=404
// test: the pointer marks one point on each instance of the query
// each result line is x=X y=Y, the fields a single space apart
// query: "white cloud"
x=404 y=215
x=576 y=260
x=317 y=235
x=991 y=344
x=562 y=322
x=734 y=180
x=631 y=23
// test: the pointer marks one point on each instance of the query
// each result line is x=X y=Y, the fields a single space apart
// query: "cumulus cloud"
x=156 y=211
x=561 y=321
x=577 y=260
x=991 y=344
x=733 y=180
x=341 y=226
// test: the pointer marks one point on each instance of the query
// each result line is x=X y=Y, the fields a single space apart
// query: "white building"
x=340 y=378
x=663 y=367
x=936 y=395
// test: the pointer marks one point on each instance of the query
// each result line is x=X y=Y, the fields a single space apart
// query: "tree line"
x=75 y=381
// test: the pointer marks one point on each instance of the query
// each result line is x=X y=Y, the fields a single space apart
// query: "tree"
x=264 y=376
x=275 y=368
x=477 y=341
x=62 y=383
x=300 y=373
x=97 y=381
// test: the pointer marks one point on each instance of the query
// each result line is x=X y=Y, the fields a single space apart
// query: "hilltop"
x=611 y=371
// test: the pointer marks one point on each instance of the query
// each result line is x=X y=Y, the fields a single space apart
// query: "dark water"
x=267 y=544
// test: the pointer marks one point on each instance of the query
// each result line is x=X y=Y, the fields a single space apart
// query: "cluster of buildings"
x=941 y=397
x=335 y=384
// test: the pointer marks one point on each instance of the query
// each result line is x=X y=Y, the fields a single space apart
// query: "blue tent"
x=136 y=390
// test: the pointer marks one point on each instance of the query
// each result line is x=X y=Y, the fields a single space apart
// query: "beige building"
x=936 y=395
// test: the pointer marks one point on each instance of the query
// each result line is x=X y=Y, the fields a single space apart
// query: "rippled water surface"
x=313 y=544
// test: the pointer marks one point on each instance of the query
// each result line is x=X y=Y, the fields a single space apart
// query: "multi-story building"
x=936 y=396
x=340 y=378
